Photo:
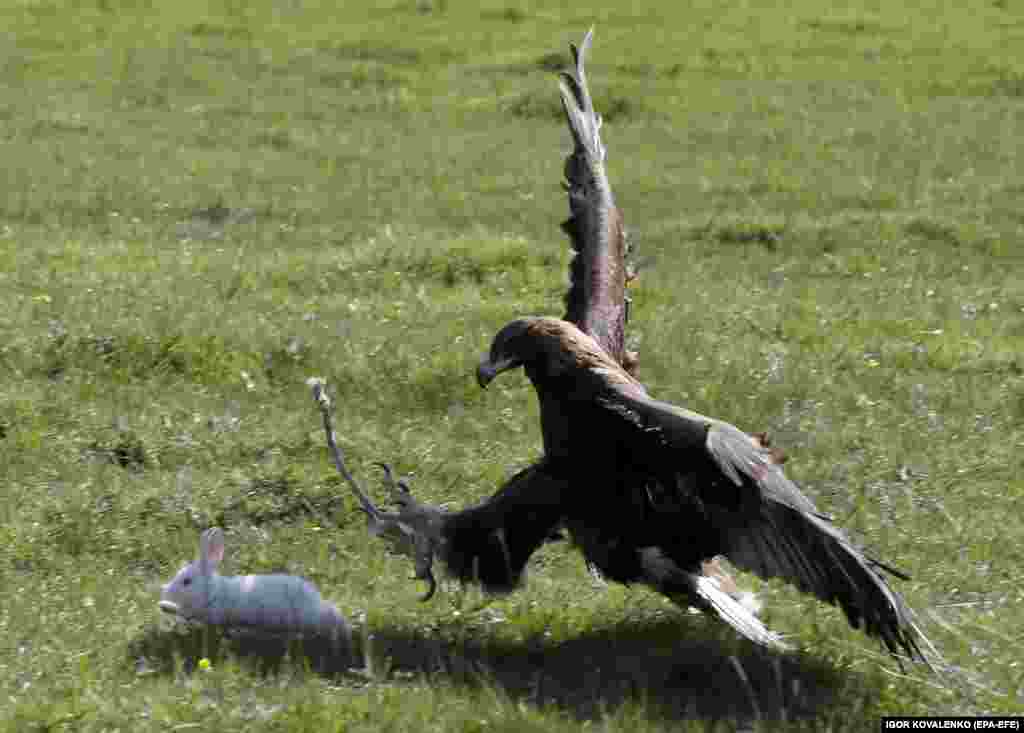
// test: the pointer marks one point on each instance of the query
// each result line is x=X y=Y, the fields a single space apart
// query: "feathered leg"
x=706 y=593
x=490 y=543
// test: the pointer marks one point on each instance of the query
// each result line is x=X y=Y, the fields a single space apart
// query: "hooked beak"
x=488 y=370
x=169 y=607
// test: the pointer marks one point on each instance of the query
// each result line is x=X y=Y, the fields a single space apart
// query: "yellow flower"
x=204 y=664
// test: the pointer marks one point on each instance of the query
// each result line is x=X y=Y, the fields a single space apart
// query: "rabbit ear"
x=211 y=550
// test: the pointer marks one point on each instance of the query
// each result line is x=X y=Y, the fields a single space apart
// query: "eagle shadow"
x=671 y=668
x=673 y=675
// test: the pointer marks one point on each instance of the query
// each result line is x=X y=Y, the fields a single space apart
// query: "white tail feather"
x=738 y=613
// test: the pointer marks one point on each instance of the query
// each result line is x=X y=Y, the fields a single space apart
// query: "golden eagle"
x=649 y=492
x=658 y=489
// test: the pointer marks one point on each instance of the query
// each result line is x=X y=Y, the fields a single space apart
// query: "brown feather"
x=596 y=299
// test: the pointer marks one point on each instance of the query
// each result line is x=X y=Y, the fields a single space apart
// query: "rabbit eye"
x=187 y=582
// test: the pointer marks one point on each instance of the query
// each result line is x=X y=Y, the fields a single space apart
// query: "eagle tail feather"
x=705 y=592
x=735 y=612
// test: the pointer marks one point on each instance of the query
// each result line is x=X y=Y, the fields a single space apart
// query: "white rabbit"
x=265 y=603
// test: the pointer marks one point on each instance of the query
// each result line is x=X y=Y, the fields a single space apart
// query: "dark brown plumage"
x=657 y=490
x=599 y=273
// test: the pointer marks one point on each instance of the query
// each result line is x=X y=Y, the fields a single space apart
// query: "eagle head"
x=546 y=347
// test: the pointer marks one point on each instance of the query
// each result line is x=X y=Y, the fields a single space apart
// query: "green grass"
x=206 y=203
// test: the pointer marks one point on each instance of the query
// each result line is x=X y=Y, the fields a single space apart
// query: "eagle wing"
x=763 y=522
x=596 y=300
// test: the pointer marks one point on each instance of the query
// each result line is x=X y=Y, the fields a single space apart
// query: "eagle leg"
x=414 y=530
x=399 y=489
x=705 y=591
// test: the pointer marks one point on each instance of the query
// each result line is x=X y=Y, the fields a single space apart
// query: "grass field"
x=204 y=204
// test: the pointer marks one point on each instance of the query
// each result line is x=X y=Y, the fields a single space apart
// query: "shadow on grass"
x=653 y=664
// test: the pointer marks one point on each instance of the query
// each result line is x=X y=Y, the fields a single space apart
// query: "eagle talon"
x=424 y=561
x=412 y=530
x=399 y=489
x=432 y=587
x=389 y=479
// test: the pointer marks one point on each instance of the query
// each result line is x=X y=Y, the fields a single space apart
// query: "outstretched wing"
x=596 y=300
x=763 y=523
